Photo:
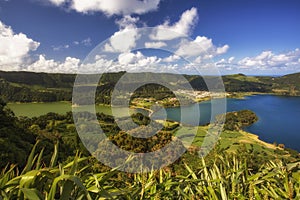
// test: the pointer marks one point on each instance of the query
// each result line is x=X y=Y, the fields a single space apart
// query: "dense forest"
x=239 y=120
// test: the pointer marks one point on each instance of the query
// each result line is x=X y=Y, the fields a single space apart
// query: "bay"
x=279 y=116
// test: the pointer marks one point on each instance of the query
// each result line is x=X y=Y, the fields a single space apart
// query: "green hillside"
x=42 y=87
x=43 y=80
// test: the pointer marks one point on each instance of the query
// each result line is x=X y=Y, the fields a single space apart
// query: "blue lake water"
x=279 y=117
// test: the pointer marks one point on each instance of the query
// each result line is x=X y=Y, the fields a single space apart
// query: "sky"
x=254 y=37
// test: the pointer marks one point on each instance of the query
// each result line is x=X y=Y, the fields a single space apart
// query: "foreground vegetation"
x=59 y=166
x=226 y=176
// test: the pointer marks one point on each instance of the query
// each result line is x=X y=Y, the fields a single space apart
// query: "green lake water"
x=37 y=109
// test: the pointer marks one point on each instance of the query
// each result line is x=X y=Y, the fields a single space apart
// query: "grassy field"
x=229 y=141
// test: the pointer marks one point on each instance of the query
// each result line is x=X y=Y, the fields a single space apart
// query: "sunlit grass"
x=229 y=177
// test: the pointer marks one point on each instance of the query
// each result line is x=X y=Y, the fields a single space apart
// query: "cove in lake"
x=279 y=116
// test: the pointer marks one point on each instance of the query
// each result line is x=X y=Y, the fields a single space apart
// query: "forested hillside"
x=42 y=87
x=15 y=140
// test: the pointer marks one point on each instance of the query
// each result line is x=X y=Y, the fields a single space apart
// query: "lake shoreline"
x=151 y=112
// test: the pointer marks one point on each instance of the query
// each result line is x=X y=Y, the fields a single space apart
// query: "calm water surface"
x=38 y=109
x=279 y=117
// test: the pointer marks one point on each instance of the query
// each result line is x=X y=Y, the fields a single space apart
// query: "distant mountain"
x=45 y=87
x=288 y=84
x=39 y=79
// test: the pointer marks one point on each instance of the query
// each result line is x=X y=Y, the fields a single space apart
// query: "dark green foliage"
x=15 y=141
x=155 y=91
x=25 y=93
x=197 y=82
x=234 y=85
x=52 y=128
x=41 y=79
x=140 y=119
x=42 y=87
x=238 y=120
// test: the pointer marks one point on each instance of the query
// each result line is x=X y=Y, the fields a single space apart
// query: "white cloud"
x=87 y=42
x=267 y=59
x=57 y=2
x=194 y=48
x=14 y=48
x=128 y=32
x=155 y=45
x=231 y=59
x=183 y=27
x=131 y=62
x=171 y=58
x=42 y=65
x=116 y=42
x=137 y=59
x=60 y=47
x=70 y=65
x=127 y=22
x=202 y=48
x=265 y=62
x=227 y=64
x=128 y=61
x=222 y=50
x=114 y=7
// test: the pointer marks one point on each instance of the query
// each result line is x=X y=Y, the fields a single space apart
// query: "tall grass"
x=227 y=178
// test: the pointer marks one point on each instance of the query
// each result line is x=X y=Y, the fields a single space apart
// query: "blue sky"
x=241 y=36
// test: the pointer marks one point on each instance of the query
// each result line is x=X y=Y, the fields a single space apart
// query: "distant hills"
x=45 y=87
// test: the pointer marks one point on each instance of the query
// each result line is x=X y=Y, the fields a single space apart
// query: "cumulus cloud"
x=202 y=48
x=57 y=2
x=184 y=26
x=268 y=59
x=171 y=58
x=116 y=42
x=128 y=32
x=127 y=22
x=14 y=48
x=227 y=64
x=115 y=7
x=267 y=62
x=70 y=65
x=137 y=59
x=155 y=45
x=131 y=62
x=222 y=50
x=127 y=61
